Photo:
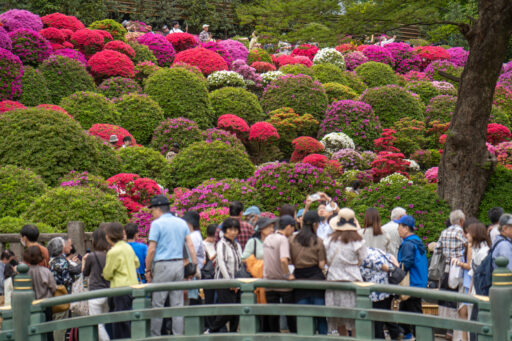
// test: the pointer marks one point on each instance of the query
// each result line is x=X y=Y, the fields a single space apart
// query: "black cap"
x=285 y=221
x=159 y=200
x=264 y=222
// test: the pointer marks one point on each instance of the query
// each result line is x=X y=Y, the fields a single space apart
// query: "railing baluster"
x=364 y=328
x=89 y=333
x=305 y=325
x=248 y=321
x=37 y=316
x=424 y=334
x=140 y=328
x=193 y=325
x=500 y=300
x=484 y=316
x=22 y=298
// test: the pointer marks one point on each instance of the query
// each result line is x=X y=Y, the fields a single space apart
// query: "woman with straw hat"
x=345 y=250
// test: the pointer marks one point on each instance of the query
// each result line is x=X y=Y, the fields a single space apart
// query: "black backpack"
x=482 y=274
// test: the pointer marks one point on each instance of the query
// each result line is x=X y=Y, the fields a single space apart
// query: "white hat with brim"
x=206 y=25
x=344 y=221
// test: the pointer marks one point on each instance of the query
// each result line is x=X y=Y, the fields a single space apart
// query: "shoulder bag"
x=395 y=274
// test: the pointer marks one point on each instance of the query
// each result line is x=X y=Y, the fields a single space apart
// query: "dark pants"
x=394 y=330
x=121 y=330
x=412 y=305
x=226 y=296
x=209 y=298
x=48 y=314
x=474 y=317
x=320 y=322
x=271 y=323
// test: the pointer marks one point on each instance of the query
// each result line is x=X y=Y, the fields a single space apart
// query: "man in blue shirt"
x=140 y=249
x=412 y=256
x=164 y=261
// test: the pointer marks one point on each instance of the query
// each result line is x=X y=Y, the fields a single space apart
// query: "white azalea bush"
x=220 y=79
x=330 y=55
x=395 y=178
x=268 y=77
x=413 y=165
x=335 y=141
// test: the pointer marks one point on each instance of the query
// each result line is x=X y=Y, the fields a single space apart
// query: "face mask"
x=73 y=250
x=14 y=262
x=22 y=242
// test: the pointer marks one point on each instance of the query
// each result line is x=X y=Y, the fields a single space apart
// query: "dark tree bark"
x=466 y=165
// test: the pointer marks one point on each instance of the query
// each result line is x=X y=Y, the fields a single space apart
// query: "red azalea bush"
x=345 y=47
x=304 y=61
x=88 y=41
x=54 y=108
x=53 y=35
x=305 y=50
x=430 y=53
x=161 y=48
x=10 y=105
x=206 y=60
x=181 y=41
x=385 y=141
x=30 y=46
x=334 y=168
x=219 y=49
x=19 y=18
x=284 y=60
x=262 y=67
x=262 y=132
x=120 y=46
x=317 y=160
x=387 y=163
x=497 y=133
x=108 y=63
x=263 y=142
x=104 y=131
x=135 y=192
x=107 y=37
x=234 y=124
x=62 y=21
x=305 y=145
x=67 y=33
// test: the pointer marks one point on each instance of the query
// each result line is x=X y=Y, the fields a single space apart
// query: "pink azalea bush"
x=354 y=59
x=378 y=54
x=11 y=71
x=30 y=46
x=161 y=48
x=236 y=49
x=19 y=18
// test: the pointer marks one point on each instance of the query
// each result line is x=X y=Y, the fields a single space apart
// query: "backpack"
x=437 y=265
x=482 y=275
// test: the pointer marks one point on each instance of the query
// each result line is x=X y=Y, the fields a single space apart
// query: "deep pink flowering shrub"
x=345 y=48
x=120 y=46
x=143 y=219
x=399 y=51
x=262 y=67
x=504 y=154
x=284 y=60
x=442 y=65
x=305 y=145
x=19 y=18
x=505 y=79
x=387 y=163
x=354 y=59
x=428 y=54
x=219 y=49
x=161 y=48
x=7 y=105
x=234 y=124
x=104 y=131
x=175 y=130
x=30 y=46
x=11 y=71
x=304 y=61
x=62 y=21
x=236 y=49
x=317 y=160
x=458 y=55
x=497 y=133
x=207 y=61
x=415 y=76
x=181 y=41
x=215 y=134
x=249 y=73
x=356 y=119
x=349 y=159
x=133 y=191
x=263 y=142
x=378 y=54
x=108 y=63
x=431 y=174
x=305 y=50
x=87 y=41
x=5 y=41
x=107 y=37
x=72 y=54
x=279 y=183
x=413 y=63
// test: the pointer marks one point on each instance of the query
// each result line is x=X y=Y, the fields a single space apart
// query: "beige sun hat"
x=344 y=221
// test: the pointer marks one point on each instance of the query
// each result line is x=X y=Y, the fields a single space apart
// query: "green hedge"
x=376 y=74
x=424 y=89
x=328 y=73
x=497 y=194
x=34 y=88
x=14 y=225
x=236 y=101
x=90 y=108
x=296 y=69
x=116 y=30
x=147 y=163
x=142 y=53
x=337 y=92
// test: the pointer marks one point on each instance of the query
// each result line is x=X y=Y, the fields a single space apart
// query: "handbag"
x=190 y=270
x=396 y=274
x=80 y=308
x=454 y=276
x=406 y=282
x=208 y=270
x=437 y=266
x=61 y=291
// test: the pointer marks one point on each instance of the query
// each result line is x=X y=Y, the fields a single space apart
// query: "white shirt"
x=175 y=30
x=391 y=229
x=197 y=240
x=494 y=232
x=324 y=230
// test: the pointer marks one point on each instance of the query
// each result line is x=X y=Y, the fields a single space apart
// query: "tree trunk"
x=466 y=164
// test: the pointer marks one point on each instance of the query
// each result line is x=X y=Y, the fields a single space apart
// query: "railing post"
x=22 y=298
x=500 y=297
x=140 y=328
x=76 y=232
x=364 y=327
x=248 y=324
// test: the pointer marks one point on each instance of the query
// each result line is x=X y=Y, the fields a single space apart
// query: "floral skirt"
x=343 y=299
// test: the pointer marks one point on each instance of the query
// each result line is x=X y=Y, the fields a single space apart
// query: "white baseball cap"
x=206 y=25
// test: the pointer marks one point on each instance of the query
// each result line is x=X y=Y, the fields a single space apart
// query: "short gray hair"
x=505 y=220
x=456 y=216
x=397 y=213
x=56 y=246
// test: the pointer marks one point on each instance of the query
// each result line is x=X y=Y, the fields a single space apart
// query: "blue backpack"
x=482 y=274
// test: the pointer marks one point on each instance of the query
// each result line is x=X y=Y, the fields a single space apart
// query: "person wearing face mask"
x=29 y=235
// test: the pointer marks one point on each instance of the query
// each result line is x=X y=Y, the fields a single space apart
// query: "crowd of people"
x=325 y=243
x=135 y=26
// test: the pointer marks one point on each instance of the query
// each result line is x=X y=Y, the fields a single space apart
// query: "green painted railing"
x=25 y=319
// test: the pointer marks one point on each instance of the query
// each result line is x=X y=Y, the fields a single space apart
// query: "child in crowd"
x=140 y=249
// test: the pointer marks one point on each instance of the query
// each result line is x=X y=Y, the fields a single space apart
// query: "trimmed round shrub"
x=236 y=101
x=445 y=88
x=236 y=49
x=391 y=102
x=85 y=179
x=235 y=125
x=87 y=41
x=35 y=91
x=121 y=47
x=330 y=56
x=181 y=41
x=18 y=18
x=354 y=59
x=378 y=54
x=327 y=73
x=296 y=69
x=229 y=138
x=376 y=74
x=283 y=59
x=299 y=92
x=117 y=86
x=62 y=21
x=305 y=50
x=89 y=108
x=64 y=77
x=426 y=90
x=336 y=141
x=147 y=163
x=258 y=55
x=194 y=69
x=304 y=146
x=30 y=46
x=218 y=49
x=53 y=35
x=175 y=130
x=354 y=82
x=104 y=131
x=219 y=79
x=441 y=108
x=8 y=105
x=262 y=67
x=180 y=94
x=283 y=183
x=5 y=41
x=270 y=76
x=11 y=71
x=337 y=92
x=108 y=63
x=458 y=55
x=202 y=161
x=89 y=205
x=107 y=37
x=71 y=54
x=14 y=225
x=349 y=159
x=356 y=119
x=140 y=115
x=207 y=61
x=399 y=51
x=116 y=30
x=142 y=53
x=145 y=69
x=161 y=48
x=57 y=145
x=18 y=189
x=54 y=108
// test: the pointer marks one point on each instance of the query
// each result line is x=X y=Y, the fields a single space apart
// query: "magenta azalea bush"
x=354 y=59
x=175 y=130
x=379 y=54
x=236 y=49
x=249 y=73
x=161 y=48
x=19 y=18
x=458 y=56
x=30 y=46
x=219 y=49
x=71 y=54
x=399 y=51
x=5 y=41
x=11 y=71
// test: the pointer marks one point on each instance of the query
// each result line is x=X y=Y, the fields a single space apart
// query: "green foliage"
x=202 y=161
x=391 y=102
x=441 y=108
x=147 y=163
x=420 y=201
x=258 y=55
x=14 y=225
x=410 y=135
x=314 y=32
x=236 y=101
x=427 y=158
x=497 y=194
x=142 y=53
x=328 y=73
x=499 y=115
x=181 y=94
x=116 y=30
x=34 y=90
x=354 y=82
x=424 y=89
x=90 y=205
x=418 y=42
x=376 y=74
x=300 y=93
x=114 y=87
x=51 y=144
x=86 y=180
x=18 y=188
x=140 y=115
x=89 y=108
x=296 y=69
x=64 y=77
x=337 y=92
